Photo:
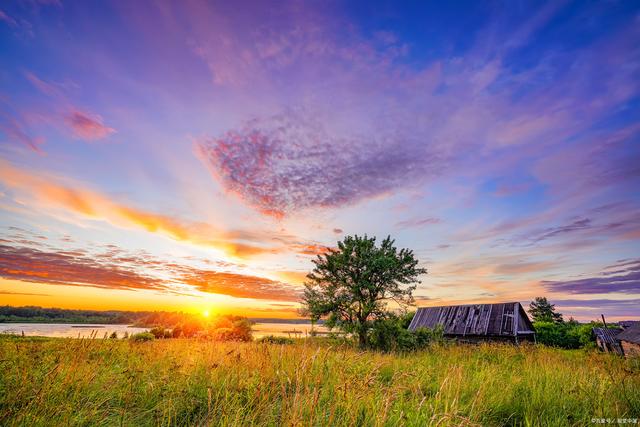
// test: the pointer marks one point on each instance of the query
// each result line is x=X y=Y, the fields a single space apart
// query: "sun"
x=206 y=313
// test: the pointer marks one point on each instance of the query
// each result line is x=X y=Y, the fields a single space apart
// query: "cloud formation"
x=292 y=161
x=14 y=130
x=98 y=206
x=62 y=268
x=95 y=205
x=88 y=126
x=623 y=278
x=241 y=286
x=417 y=222
x=54 y=110
x=375 y=125
x=118 y=270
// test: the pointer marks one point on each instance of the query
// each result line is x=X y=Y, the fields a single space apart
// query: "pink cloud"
x=418 y=222
x=14 y=130
x=88 y=126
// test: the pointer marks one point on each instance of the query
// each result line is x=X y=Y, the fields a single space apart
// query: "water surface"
x=83 y=330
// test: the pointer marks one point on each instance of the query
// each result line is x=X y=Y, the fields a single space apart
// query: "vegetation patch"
x=309 y=382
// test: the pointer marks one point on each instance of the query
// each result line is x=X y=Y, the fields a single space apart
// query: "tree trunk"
x=362 y=338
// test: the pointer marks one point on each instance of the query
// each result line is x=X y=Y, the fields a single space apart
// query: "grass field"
x=186 y=382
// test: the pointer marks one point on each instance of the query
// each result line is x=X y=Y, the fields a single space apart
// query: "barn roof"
x=502 y=319
x=606 y=335
x=624 y=324
x=631 y=334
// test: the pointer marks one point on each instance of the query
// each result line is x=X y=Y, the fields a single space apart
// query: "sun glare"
x=205 y=313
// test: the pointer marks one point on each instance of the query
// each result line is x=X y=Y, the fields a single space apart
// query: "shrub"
x=142 y=337
x=569 y=335
x=392 y=334
x=271 y=339
x=231 y=328
x=114 y=335
x=161 y=332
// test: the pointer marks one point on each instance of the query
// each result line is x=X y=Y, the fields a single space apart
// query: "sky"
x=198 y=155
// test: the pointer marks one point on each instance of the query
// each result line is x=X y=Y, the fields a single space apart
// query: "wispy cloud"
x=27 y=294
x=356 y=143
x=95 y=205
x=7 y=19
x=14 y=130
x=625 y=279
x=54 y=111
x=120 y=270
x=242 y=286
x=34 y=265
x=417 y=222
x=88 y=126
x=292 y=161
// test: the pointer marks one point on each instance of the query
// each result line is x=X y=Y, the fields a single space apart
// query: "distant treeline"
x=33 y=314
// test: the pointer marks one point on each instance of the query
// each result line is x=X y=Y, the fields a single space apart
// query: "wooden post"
x=516 y=317
x=604 y=322
x=486 y=329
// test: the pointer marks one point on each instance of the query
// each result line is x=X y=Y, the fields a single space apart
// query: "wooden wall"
x=630 y=349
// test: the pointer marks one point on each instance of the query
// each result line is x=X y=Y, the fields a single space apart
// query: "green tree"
x=352 y=285
x=542 y=310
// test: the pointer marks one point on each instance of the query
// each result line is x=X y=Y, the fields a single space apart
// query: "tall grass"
x=187 y=382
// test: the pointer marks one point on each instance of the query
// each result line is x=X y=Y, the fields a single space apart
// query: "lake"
x=77 y=330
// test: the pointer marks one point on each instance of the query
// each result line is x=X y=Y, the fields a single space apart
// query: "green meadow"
x=314 y=382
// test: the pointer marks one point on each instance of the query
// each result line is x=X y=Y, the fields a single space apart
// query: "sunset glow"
x=197 y=156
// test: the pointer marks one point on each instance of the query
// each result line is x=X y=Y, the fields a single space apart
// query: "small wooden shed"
x=630 y=341
x=606 y=340
x=478 y=322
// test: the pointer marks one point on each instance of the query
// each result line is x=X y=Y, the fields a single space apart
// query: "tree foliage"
x=569 y=335
x=542 y=310
x=351 y=286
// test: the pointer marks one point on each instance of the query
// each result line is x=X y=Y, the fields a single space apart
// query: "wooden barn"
x=606 y=340
x=630 y=341
x=478 y=322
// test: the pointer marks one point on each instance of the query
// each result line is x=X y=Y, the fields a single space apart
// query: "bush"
x=569 y=335
x=271 y=339
x=161 y=332
x=142 y=337
x=231 y=328
x=392 y=334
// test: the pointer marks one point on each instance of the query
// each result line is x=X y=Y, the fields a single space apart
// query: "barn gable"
x=498 y=320
x=629 y=340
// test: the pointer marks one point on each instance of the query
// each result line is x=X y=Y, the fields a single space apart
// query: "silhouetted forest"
x=34 y=314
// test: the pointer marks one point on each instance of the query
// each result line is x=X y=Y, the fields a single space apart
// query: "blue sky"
x=197 y=155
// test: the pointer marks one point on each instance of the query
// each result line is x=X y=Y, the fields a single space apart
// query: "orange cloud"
x=241 y=286
x=34 y=265
x=119 y=270
x=310 y=248
x=94 y=205
x=297 y=277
